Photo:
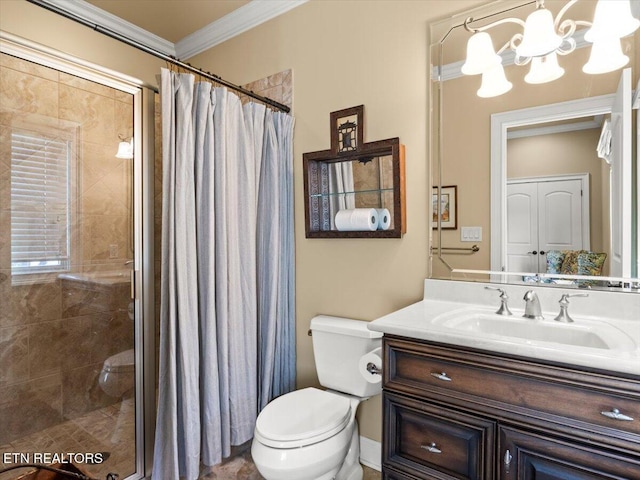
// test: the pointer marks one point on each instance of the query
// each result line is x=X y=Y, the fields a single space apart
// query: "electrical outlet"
x=113 y=250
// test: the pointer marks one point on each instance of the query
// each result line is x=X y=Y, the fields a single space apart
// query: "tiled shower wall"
x=55 y=335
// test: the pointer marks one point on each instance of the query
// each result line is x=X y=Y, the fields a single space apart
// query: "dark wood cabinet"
x=459 y=413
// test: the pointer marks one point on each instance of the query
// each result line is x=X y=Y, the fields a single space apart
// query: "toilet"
x=312 y=434
x=118 y=374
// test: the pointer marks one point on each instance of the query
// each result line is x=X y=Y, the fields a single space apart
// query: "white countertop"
x=608 y=312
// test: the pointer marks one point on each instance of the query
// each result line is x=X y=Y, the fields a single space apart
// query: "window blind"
x=39 y=203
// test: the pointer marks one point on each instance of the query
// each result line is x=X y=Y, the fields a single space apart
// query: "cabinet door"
x=529 y=456
x=428 y=441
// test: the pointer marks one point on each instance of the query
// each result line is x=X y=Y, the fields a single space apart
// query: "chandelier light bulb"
x=606 y=56
x=540 y=37
x=612 y=19
x=481 y=56
x=494 y=83
x=544 y=69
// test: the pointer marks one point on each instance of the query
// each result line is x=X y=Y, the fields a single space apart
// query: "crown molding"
x=97 y=16
x=244 y=18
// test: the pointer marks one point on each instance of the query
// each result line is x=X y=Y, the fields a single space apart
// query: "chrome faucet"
x=532 y=306
x=563 y=316
x=504 y=308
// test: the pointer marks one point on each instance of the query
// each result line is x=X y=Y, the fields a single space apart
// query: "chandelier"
x=543 y=38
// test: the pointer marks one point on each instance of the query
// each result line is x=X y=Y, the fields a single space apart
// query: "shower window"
x=40 y=202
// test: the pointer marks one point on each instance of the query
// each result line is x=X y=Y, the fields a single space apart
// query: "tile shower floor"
x=111 y=429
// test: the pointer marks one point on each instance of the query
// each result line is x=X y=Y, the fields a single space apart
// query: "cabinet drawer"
x=508 y=388
x=428 y=439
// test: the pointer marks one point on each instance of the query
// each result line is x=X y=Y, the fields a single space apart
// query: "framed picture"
x=446 y=206
x=347 y=130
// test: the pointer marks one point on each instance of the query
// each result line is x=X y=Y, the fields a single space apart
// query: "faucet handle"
x=563 y=316
x=504 y=308
x=565 y=297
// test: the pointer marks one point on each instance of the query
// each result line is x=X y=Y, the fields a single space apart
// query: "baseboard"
x=371 y=453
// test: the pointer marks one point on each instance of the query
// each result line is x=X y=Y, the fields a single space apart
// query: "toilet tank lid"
x=343 y=326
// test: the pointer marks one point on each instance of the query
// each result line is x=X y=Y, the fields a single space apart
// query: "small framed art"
x=446 y=207
x=347 y=130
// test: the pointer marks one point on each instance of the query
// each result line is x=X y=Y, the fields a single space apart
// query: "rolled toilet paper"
x=384 y=218
x=374 y=357
x=357 y=219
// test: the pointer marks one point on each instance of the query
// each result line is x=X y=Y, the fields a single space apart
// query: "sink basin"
x=583 y=333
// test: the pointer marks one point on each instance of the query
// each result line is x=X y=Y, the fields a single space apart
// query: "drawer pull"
x=616 y=415
x=431 y=448
x=442 y=376
x=507 y=461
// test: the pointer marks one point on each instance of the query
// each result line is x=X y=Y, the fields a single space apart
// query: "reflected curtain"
x=341 y=181
x=227 y=341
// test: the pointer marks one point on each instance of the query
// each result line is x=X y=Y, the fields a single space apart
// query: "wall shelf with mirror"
x=560 y=123
x=358 y=194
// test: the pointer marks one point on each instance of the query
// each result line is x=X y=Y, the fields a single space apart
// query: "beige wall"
x=342 y=53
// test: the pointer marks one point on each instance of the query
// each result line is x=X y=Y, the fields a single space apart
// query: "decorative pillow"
x=570 y=263
x=590 y=263
x=555 y=258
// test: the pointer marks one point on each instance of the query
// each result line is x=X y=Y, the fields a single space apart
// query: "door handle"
x=535 y=252
x=541 y=252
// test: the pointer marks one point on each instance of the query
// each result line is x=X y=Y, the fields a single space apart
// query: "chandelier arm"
x=562 y=11
x=491 y=25
x=566 y=28
x=583 y=23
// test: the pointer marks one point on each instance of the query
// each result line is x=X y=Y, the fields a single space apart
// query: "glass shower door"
x=67 y=318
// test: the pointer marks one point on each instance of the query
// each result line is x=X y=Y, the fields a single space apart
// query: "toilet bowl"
x=312 y=434
x=118 y=374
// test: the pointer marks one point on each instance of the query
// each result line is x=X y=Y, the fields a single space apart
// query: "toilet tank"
x=338 y=344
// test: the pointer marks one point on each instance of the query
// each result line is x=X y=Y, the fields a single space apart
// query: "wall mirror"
x=359 y=195
x=543 y=167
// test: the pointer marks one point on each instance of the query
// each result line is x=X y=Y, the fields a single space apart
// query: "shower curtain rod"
x=168 y=58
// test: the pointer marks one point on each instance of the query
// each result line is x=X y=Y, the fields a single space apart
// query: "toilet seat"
x=120 y=362
x=301 y=418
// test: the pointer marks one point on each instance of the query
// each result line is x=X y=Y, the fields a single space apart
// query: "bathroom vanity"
x=462 y=401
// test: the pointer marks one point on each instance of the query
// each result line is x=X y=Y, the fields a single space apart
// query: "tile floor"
x=111 y=429
x=241 y=467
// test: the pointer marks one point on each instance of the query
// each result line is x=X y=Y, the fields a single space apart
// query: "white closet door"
x=559 y=217
x=543 y=216
x=522 y=227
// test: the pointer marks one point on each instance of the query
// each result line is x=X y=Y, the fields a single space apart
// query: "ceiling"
x=179 y=28
x=170 y=19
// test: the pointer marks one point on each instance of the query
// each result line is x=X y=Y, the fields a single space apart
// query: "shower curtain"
x=227 y=341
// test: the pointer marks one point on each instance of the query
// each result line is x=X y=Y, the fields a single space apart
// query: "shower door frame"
x=143 y=224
